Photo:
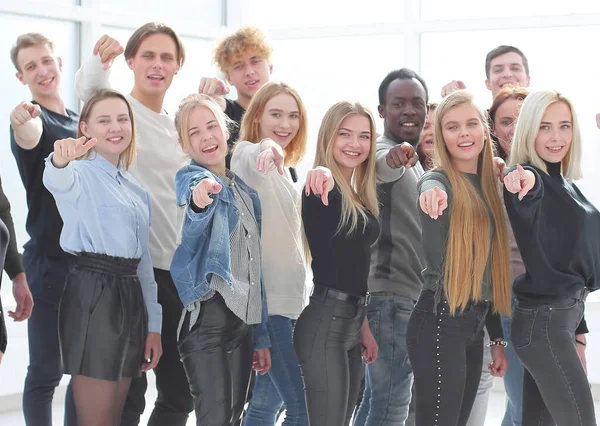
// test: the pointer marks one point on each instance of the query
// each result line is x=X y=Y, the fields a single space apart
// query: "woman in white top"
x=273 y=138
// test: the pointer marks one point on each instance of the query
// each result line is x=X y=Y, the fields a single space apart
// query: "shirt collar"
x=102 y=163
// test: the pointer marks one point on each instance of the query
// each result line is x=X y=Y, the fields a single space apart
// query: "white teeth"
x=252 y=82
x=116 y=139
x=409 y=124
x=350 y=153
x=555 y=148
x=283 y=135
x=209 y=148
x=46 y=81
x=156 y=77
x=465 y=144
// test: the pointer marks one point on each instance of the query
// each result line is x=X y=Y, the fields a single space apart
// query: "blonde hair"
x=189 y=104
x=28 y=40
x=236 y=45
x=127 y=157
x=528 y=125
x=469 y=246
x=250 y=128
x=363 y=179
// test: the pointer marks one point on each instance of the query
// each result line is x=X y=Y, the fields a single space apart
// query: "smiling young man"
x=155 y=54
x=395 y=279
x=245 y=59
x=34 y=127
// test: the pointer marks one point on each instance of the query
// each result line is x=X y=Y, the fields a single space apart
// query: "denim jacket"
x=204 y=248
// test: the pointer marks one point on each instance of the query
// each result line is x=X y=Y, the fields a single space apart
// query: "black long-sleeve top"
x=339 y=261
x=558 y=233
x=13 y=264
x=4 y=238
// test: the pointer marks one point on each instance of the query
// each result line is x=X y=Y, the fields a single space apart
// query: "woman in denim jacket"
x=217 y=270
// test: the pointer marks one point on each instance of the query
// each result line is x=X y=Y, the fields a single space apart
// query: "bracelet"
x=502 y=343
x=581 y=343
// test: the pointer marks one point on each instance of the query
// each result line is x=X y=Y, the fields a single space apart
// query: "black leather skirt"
x=102 y=319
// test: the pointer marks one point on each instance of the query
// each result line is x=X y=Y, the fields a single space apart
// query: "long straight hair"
x=469 y=246
x=528 y=125
x=250 y=127
x=363 y=182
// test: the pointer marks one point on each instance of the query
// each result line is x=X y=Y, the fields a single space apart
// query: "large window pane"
x=318 y=13
x=554 y=64
x=65 y=36
x=328 y=70
x=204 y=11
x=465 y=9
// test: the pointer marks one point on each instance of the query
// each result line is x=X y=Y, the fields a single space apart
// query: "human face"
x=555 y=134
x=463 y=134
x=506 y=69
x=404 y=110
x=248 y=74
x=426 y=137
x=505 y=121
x=109 y=122
x=40 y=70
x=207 y=140
x=280 y=119
x=352 y=144
x=154 y=64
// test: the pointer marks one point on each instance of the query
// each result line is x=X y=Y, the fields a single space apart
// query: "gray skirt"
x=102 y=320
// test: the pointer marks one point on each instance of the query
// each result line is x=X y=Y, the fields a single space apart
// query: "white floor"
x=15 y=418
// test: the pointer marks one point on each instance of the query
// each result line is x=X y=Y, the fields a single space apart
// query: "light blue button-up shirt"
x=105 y=211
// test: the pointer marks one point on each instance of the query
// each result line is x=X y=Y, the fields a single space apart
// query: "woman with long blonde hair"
x=339 y=213
x=273 y=139
x=558 y=233
x=465 y=246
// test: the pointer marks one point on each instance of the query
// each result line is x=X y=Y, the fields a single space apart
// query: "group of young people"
x=181 y=243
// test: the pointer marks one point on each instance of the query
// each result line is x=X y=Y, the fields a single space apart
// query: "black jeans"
x=327 y=344
x=174 y=401
x=446 y=353
x=556 y=390
x=217 y=355
x=46 y=276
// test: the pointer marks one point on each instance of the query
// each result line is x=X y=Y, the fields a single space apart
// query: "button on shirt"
x=105 y=211
x=243 y=297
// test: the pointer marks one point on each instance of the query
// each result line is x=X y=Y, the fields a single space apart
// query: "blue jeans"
x=46 y=276
x=388 y=380
x=513 y=378
x=282 y=385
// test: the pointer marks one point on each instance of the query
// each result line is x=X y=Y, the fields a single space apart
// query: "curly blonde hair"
x=234 y=47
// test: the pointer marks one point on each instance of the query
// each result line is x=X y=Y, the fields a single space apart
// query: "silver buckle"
x=367 y=298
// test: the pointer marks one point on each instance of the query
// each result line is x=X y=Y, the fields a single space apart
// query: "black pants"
x=174 y=402
x=217 y=355
x=327 y=344
x=446 y=353
x=556 y=390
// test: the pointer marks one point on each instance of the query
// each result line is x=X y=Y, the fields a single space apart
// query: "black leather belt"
x=327 y=292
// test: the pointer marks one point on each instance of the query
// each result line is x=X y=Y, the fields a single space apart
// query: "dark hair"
x=508 y=92
x=401 y=74
x=501 y=50
x=149 y=29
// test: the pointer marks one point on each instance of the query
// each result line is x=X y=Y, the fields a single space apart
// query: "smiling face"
x=248 y=74
x=352 y=144
x=280 y=119
x=555 y=135
x=464 y=136
x=109 y=122
x=426 y=137
x=40 y=69
x=505 y=121
x=154 y=64
x=207 y=143
x=404 y=110
x=504 y=70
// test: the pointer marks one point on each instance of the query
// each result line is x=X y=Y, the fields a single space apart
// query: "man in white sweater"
x=155 y=54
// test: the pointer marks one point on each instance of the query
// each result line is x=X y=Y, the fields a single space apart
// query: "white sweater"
x=283 y=266
x=159 y=157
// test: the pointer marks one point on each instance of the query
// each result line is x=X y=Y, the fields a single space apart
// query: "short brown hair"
x=250 y=129
x=234 y=46
x=127 y=157
x=133 y=44
x=28 y=40
x=502 y=50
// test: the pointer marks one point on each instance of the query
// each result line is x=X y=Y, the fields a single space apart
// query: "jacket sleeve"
x=13 y=264
x=524 y=210
x=91 y=77
x=183 y=180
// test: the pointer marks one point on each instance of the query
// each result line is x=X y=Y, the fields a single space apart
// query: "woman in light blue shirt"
x=109 y=317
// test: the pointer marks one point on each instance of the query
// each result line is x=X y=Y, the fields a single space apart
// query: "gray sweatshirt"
x=396 y=257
